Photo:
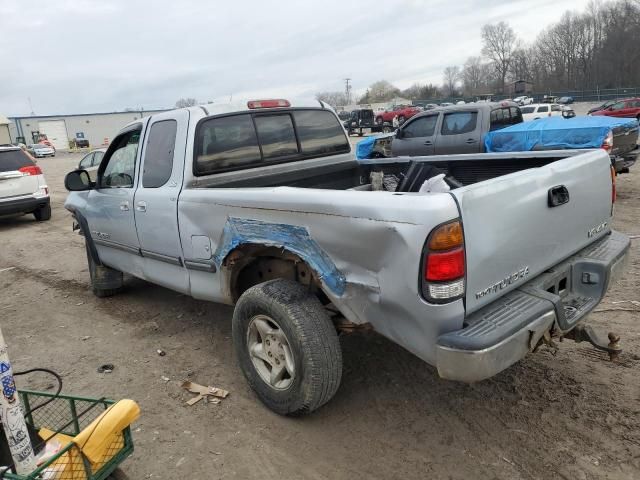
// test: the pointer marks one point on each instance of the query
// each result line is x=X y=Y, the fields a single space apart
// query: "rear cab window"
x=528 y=110
x=543 y=108
x=503 y=117
x=457 y=123
x=12 y=160
x=158 y=156
x=254 y=139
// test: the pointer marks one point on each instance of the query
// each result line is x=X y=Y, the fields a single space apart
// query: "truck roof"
x=241 y=106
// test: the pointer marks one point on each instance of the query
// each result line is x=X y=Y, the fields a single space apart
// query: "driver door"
x=418 y=136
x=110 y=207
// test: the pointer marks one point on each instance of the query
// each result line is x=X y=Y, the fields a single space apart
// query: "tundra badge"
x=504 y=283
x=597 y=229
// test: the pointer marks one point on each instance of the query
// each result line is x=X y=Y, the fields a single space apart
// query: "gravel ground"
x=567 y=414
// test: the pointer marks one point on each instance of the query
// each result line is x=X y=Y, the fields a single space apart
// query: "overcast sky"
x=81 y=56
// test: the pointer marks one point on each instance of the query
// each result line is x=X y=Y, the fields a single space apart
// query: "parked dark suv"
x=455 y=129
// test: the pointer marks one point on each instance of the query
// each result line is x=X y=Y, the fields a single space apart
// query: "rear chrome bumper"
x=503 y=332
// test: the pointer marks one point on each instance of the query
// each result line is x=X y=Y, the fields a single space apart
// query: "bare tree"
x=333 y=98
x=451 y=79
x=499 y=41
x=186 y=102
x=382 y=91
x=472 y=76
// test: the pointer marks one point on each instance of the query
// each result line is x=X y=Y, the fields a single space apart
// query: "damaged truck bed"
x=265 y=207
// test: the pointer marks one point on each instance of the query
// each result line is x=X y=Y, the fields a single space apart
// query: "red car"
x=403 y=112
x=628 y=108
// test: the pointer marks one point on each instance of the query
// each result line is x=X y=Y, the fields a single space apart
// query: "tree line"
x=583 y=50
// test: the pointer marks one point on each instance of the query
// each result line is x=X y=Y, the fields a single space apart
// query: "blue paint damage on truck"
x=295 y=239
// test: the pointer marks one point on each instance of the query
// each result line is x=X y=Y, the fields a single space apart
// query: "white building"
x=98 y=128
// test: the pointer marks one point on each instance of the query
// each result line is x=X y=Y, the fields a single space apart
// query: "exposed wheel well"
x=250 y=264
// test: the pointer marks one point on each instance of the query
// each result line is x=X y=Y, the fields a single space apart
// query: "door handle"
x=124 y=206
x=471 y=140
x=141 y=206
x=428 y=143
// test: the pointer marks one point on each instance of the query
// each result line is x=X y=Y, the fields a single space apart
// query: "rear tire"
x=287 y=347
x=105 y=281
x=43 y=213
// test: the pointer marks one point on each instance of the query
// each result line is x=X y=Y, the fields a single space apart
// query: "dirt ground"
x=568 y=414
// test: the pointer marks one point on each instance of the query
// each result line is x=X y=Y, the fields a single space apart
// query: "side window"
x=421 y=127
x=556 y=108
x=320 y=133
x=97 y=158
x=226 y=142
x=458 y=123
x=87 y=161
x=618 y=106
x=158 y=156
x=543 y=109
x=276 y=136
x=120 y=168
x=516 y=116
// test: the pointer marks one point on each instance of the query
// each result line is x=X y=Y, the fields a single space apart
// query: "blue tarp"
x=365 y=147
x=555 y=132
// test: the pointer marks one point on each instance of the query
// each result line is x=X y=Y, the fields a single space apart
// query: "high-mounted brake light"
x=280 y=102
x=607 y=143
x=444 y=264
x=31 y=170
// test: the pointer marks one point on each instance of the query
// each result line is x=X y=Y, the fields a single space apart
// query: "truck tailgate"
x=512 y=234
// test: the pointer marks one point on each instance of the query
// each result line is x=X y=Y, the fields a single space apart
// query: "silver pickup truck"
x=264 y=206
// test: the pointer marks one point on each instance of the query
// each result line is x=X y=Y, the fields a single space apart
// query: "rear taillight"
x=443 y=264
x=280 y=102
x=31 y=170
x=607 y=144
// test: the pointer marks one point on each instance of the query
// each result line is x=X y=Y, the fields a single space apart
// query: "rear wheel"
x=43 y=213
x=287 y=347
x=105 y=281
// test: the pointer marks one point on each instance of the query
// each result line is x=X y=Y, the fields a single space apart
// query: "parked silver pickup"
x=264 y=206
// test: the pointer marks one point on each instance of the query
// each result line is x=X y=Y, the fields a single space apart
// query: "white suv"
x=540 y=110
x=23 y=188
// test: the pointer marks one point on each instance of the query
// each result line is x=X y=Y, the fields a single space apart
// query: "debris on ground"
x=209 y=394
x=106 y=368
x=165 y=379
x=161 y=352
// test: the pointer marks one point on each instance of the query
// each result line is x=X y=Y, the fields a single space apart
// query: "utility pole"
x=347 y=90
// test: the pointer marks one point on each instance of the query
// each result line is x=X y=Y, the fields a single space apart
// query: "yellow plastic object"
x=99 y=441
x=99 y=436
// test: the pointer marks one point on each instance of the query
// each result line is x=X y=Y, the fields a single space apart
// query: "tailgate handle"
x=558 y=196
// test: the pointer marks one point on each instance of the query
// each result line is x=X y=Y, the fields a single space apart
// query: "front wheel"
x=105 y=281
x=287 y=347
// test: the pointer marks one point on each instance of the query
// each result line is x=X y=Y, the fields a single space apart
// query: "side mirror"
x=78 y=181
x=399 y=133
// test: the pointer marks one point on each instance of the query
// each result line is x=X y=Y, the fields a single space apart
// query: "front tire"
x=43 y=213
x=105 y=281
x=287 y=347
